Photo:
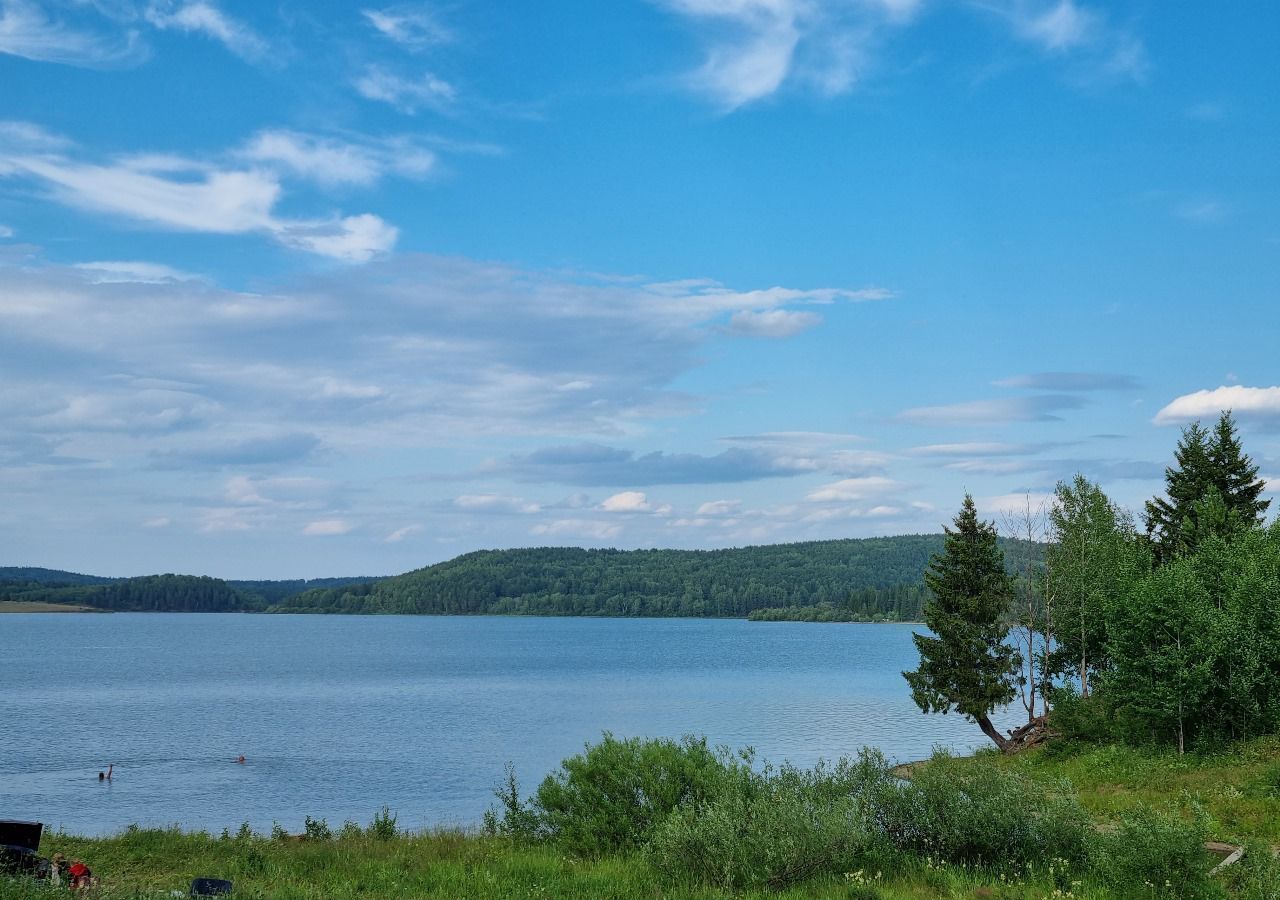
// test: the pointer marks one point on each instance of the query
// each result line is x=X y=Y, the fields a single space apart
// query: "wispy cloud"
x=1067 y=382
x=332 y=162
x=1202 y=211
x=1039 y=408
x=773 y=323
x=409 y=95
x=203 y=17
x=414 y=27
x=1244 y=402
x=1097 y=50
x=754 y=47
x=190 y=195
x=27 y=30
x=327 y=528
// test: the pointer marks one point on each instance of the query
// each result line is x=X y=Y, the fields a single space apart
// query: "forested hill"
x=153 y=593
x=871 y=577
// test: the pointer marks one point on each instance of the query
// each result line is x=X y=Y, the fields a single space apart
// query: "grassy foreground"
x=1236 y=796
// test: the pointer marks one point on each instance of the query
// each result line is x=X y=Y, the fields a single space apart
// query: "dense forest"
x=865 y=578
x=153 y=593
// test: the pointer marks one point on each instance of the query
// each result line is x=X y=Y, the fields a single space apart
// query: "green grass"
x=1239 y=791
x=1238 y=788
x=152 y=863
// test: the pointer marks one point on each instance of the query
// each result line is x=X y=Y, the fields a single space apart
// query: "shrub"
x=383 y=826
x=1257 y=876
x=1149 y=854
x=316 y=829
x=613 y=795
x=518 y=820
x=1083 y=719
x=765 y=829
x=973 y=813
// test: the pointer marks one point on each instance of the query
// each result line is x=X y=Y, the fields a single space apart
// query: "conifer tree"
x=1235 y=476
x=1214 y=489
x=967 y=667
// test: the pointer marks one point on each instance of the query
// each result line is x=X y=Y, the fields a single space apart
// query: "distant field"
x=30 y=606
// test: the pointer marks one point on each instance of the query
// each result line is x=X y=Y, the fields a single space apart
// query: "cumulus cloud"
x=633 y=502
x=409 y=95
x=188 y=195
x=202 y=17
x=400 y=534
x=1244 y=402
x=1040 y=408
x=720 y=508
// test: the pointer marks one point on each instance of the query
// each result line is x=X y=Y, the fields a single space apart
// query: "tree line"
x=1168 y=634
x=862 y=579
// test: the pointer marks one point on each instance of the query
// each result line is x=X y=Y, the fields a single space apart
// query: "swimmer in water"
x=240 y=759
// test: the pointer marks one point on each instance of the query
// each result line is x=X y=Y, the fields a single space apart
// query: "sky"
x=299 y=289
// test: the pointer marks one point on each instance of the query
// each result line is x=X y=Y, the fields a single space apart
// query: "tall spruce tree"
x=967 y=667
x=1213 y=489
x=1235 y=476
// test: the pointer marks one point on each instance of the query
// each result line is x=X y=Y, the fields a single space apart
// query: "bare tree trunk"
x=990 y=731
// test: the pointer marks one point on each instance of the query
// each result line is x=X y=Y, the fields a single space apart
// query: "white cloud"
x=853 y=489
x=720 y=508
x=202 y=17
x=193 y=196
x=495 y=503
x=1099 y=50
x=1040 y=408
x=133 y=272
x=976 y=448
x=1261 y=402
x=400 y=534
x=632 y=502
x=331 y=162
x=773 y=323
x=754 y=47
x=413 y=27
x=158 y=522
x=26 y=30
x=407 y=95
x=578 y=528
x=6 y=231
x=327 y=527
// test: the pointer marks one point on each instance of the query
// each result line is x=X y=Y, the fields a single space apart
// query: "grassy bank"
x=982 y=827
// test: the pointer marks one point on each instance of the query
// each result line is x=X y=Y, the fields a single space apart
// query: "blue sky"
x=303 y=289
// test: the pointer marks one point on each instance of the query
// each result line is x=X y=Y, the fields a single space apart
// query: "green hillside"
x=869 y=577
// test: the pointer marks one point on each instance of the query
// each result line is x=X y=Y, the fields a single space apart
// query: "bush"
x=316 y=829
x=613 y=795
x=766 y=829
x=518 y=820
x=383 y=826
x=1083 y=719
x=963 y=811
x=1152 y=855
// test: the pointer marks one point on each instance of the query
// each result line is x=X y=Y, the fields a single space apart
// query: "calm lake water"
x=339 y=715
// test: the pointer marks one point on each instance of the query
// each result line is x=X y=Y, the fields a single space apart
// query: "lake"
x=338 y=716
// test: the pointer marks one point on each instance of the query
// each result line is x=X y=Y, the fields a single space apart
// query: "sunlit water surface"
x=338 y=716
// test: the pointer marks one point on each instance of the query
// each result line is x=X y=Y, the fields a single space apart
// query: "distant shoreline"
x=35 y=606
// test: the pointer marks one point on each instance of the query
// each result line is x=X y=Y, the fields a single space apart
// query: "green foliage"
x=383 y=826
x=969 y=812
x=1257 y=876
x=1213 y=490
x=968 y=667
x=1151 y=855
x=1093 y=562
x=868 y=577
x=766 y=829
x=316 y=829
x=518 y=819
x=616 y=792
